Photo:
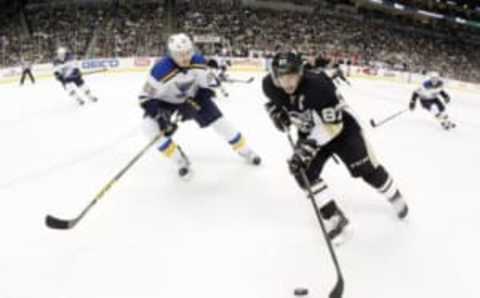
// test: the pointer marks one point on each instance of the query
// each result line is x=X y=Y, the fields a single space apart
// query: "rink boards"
x=143 y=64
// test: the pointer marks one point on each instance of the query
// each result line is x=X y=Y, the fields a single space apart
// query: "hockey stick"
x=248 y=81
x=64 y=224
x=337 y=291
x=377 y=124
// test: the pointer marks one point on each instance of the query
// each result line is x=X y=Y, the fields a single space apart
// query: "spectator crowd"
x=364 y=37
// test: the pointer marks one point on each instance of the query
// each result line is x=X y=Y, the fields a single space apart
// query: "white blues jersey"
x=430 y=90
x=170 y=83
x=67 y=68
x=222 y=61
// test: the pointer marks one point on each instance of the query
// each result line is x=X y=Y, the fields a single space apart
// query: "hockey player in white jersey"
x=66 y=71
x=178 y=85
x=429 y=95
x=213 y=78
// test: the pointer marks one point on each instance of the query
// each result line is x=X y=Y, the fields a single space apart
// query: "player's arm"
x=278 y=114
x=155 y=88
x=328 y=116
x=199 y=64
x=413 y=100
x=203 y=77
x=150 y=100
x=330 y=106
x=445 y=95
x=58 y=72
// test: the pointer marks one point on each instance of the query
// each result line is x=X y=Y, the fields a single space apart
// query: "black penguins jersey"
x=315 y=108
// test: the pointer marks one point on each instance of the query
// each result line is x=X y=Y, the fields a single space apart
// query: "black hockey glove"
x=279 y=116
x=305 y=151
x=446 y=97
x=162 y=113
x=59 y=77
x=411 y=106
x=165 y=123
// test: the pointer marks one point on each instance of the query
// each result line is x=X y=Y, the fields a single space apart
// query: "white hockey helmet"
x=62 y=53
x=433 y=75
x=180 y=46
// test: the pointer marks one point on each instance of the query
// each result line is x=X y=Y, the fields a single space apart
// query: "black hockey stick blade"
x=62 y=224
x=58 y=224
x=250 y=80
x=337 y=291
x=372 y=123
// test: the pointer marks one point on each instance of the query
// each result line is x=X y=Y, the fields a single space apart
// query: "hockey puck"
x=300 y=292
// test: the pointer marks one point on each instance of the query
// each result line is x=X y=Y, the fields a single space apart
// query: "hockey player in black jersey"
x=320 y=64
x=325 y=127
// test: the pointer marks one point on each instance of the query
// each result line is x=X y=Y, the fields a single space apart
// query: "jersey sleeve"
x=327 y=112
x=159 y=75
x=199 y=64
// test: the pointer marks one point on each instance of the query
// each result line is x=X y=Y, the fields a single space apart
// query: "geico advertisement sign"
x=100 y=63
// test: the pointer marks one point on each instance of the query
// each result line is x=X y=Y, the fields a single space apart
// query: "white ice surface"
x=234 y=230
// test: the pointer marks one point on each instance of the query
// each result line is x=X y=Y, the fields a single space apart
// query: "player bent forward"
x=178 y=84
x=309 y=102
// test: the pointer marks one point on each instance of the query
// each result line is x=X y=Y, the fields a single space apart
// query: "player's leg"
x=157 y=120
x=356 y=153
x=71 y=89
x=336 y=222
x=30 y=75
x=438 y=109
x=84 y=88
x=22 y=79
x=206 y=113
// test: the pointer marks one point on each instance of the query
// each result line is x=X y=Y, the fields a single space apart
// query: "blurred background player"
x=338 y=75
x=66 y=71
x=325 y=127
x=26 y=71
x=219 y=66
x=320 y=64
x=214 y=79
x=178 y=84
x=429 y=94
x=222 y=65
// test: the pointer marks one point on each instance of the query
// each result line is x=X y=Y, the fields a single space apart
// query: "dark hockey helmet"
x=212 y=63
x=287 y=63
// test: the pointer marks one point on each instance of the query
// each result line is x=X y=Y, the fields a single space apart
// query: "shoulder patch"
x=164 y=69
x=198 y=59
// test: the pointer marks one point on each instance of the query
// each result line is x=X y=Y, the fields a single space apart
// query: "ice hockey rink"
x=234 y=230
